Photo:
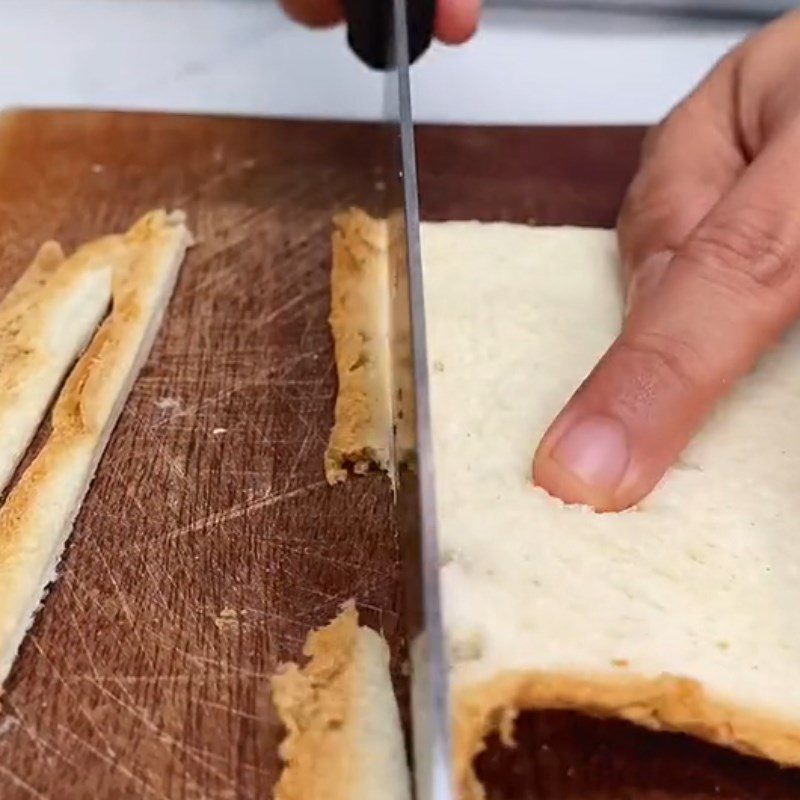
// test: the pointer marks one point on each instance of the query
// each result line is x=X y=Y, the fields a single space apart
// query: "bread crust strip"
x=38 y=515
x=362 y=432
x=344 y=740
x=46 y=320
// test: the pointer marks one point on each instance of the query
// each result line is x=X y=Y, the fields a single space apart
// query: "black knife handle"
x=369 y=29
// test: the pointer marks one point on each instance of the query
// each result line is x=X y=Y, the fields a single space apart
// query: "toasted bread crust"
x=45 y=321
x=666 y=703
x=38 y=515
x=343 y=735
x=361 y=434
x=313 y=704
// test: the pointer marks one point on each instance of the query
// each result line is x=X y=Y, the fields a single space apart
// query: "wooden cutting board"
x=210 y=544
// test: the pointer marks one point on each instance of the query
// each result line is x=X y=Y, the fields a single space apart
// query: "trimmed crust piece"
x=359 y=320
x=46 y=320
x=344 y=740
x=38 y=515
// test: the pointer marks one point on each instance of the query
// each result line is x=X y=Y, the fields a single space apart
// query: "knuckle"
x=669 y=126
x=660 y=361
x=648 y=198
x=643 y=223
x=747 y=253
x=652 y=137
x=662 y=130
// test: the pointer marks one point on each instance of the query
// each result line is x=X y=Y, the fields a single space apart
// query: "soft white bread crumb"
x=681 y=614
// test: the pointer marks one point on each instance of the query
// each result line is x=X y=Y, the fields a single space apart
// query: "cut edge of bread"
x=664 y=703
x=38 y=515
x=344 y=739
x=361 y=437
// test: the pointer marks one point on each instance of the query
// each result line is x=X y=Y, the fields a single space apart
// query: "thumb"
x=456 y=20
x=314 y=13
x=728 y=292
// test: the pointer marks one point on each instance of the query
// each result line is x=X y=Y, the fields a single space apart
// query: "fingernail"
x=595 y=451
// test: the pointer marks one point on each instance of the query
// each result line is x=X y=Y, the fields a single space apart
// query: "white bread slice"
x=678 y=615
x=344 y=740
x=45 y=321
x=39 y=513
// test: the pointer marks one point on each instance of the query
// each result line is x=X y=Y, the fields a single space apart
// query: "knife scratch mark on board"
x=155 y=586
x=292 y=303
x=117 y=474
x=240 y=509
x=227 y=709
x=133 y=679
x=203 y=663
x=118 y=591
x=346 y=564
x=194 y=409
x=172 y=462
x=68 y=587
x=22 y=784
x=164 y=738
x=75 y=701
x=42 y=743
x=112 y=762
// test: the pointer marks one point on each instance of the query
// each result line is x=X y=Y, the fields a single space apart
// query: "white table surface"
x=243 y=57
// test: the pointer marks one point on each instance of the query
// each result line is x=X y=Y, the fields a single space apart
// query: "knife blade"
x=399 y=31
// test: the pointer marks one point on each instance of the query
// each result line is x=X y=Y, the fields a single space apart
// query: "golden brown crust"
x=45 y=321
x=344 y=739
x=19 y=317
x=361 y=435
x=667 y=703
x=38 y=514
x=88 y=393
x=314 y=704
x=47 y=260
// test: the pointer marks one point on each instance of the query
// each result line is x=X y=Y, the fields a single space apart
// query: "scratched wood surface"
x=209 y=543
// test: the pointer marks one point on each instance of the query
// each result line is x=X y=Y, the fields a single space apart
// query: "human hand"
x=709 y=238
x=456 y=20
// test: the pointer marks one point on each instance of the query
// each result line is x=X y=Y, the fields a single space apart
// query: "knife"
x=390 y=35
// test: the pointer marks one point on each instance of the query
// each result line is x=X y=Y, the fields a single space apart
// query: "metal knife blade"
x=413 y=446
x=389 y=35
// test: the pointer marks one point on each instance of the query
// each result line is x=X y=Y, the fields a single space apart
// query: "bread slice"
x=39 y=513
x=344 y=740
x=678 y=615
x=45 y=321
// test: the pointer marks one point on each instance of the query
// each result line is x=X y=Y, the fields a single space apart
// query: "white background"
x=242 y=56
